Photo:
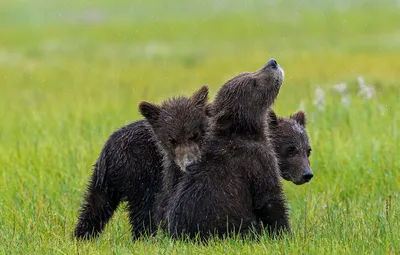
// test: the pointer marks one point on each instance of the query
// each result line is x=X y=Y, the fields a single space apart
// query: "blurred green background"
x=72 y=72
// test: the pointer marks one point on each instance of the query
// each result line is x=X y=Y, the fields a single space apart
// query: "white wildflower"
x=319 y=101
x=346 y=101
x=360 y=81
x=366 y=91
x=340 y=87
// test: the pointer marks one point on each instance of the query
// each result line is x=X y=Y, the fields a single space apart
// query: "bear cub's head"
x=292 y=146
x=242 y=101
x=179 y=125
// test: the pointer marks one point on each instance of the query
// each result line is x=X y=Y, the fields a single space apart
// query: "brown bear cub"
x=131 y=162
x=237 y=182
x=292 y=146
x=180 y=140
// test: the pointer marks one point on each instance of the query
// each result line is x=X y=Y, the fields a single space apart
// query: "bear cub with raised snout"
x=236 y=184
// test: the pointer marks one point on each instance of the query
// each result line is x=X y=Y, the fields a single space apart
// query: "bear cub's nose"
x=307 y=175
x=188 y=163
x=272 y=63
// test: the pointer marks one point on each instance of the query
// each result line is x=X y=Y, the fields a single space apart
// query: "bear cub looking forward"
x=180 y=138
x=130 y=165
x=237 y=182
x=292 y=146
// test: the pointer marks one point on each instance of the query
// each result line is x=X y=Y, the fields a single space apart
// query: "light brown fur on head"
x=179 y=124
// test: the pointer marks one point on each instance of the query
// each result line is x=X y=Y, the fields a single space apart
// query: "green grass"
x=66 y=84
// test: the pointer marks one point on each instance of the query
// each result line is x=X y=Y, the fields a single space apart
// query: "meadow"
x=72 y=72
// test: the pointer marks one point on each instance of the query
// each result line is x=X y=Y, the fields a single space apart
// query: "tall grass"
x=73 y=72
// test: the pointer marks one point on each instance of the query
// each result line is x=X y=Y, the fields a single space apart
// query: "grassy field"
x=72 y=72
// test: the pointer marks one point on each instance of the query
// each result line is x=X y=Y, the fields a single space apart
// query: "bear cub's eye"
x=173 y=141
x=308 y=152
x=291 y=150
x=193 y=137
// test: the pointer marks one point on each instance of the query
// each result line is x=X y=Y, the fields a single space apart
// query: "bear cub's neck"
x=236 y=123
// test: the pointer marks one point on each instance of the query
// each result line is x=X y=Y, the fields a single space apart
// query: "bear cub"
x=292 y=146
x=237 y=182
x=180 y=139
x=131 y=162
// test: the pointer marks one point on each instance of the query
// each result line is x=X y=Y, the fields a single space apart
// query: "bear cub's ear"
x=299 y=117
x=200 y=97
x=208 y=110
x=150 y=111
x=272 y=119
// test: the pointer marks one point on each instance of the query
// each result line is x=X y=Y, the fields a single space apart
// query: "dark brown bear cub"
x=237 y=182
x=179 y=140
x=292 y=146
x=130 y=164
